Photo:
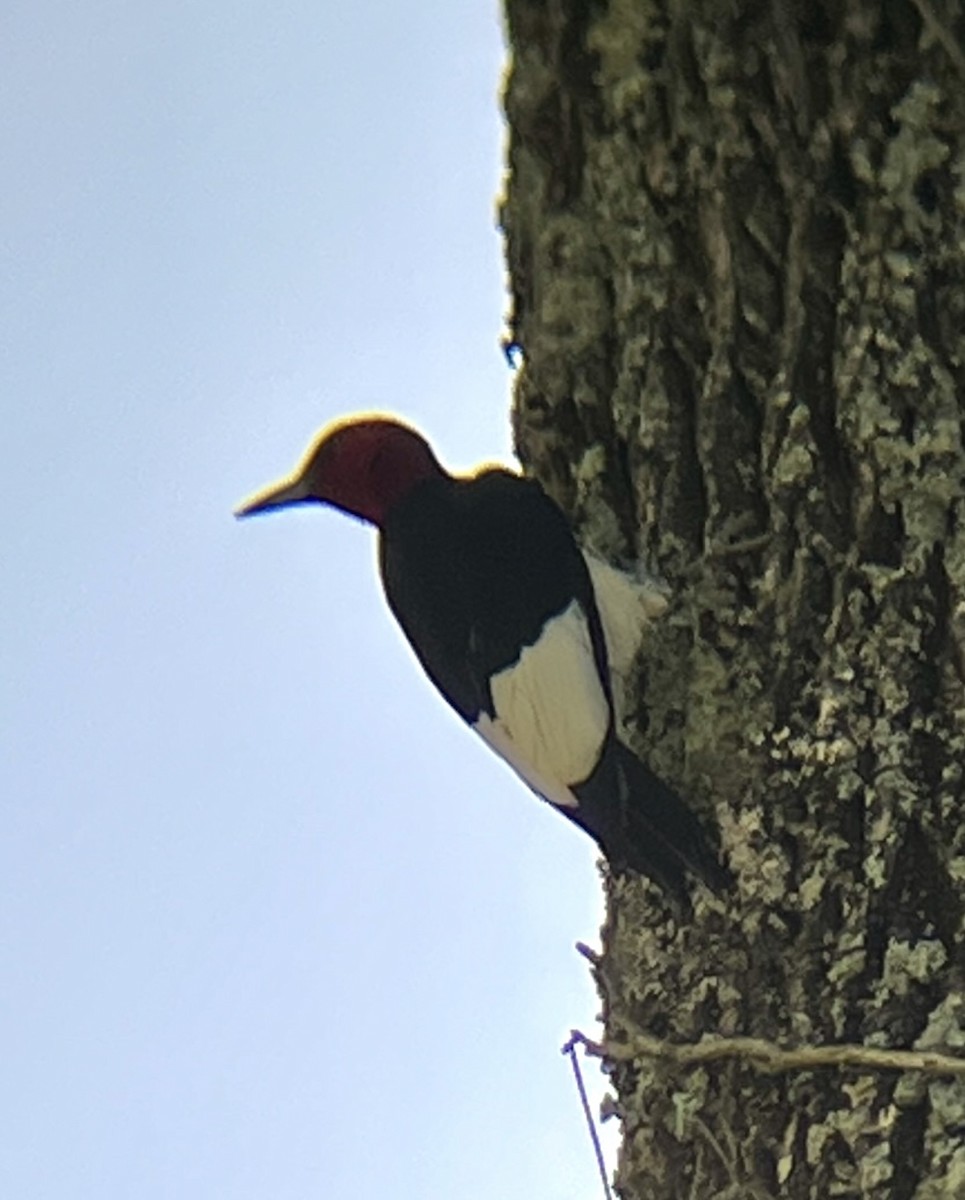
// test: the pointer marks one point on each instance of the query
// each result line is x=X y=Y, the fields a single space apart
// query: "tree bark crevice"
x=735 y=231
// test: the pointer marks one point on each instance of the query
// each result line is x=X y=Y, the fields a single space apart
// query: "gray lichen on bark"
x=736 y=240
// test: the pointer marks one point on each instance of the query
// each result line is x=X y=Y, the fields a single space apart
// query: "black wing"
x=473 y=570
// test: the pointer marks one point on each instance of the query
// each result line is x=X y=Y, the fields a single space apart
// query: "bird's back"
x=473 y=570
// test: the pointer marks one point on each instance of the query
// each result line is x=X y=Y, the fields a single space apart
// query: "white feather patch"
x=552 y=715
x=496 y=737
x=627 y=606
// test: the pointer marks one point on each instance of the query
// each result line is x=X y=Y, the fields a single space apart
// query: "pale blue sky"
x=272 y=923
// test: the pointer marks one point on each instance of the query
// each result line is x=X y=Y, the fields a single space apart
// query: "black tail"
x=641 y=824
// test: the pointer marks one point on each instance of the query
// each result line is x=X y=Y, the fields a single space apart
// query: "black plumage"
x=474 y=570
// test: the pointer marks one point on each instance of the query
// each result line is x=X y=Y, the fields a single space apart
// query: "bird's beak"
x=276 y=495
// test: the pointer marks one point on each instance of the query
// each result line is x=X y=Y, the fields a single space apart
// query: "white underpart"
x=628 y=607
x=496 y=737
x=552 y=715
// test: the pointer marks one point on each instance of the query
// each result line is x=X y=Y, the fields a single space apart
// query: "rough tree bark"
x=736 y=238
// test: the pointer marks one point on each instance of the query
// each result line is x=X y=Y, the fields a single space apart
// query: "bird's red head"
x=362 y=465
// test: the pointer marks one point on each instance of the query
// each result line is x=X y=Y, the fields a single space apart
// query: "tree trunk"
x=736 y=237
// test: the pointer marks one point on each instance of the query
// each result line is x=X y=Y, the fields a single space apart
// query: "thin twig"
x=570 y=1049
x=773 y=1059
x=593 y=957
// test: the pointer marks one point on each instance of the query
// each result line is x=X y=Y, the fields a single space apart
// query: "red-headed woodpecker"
x=498 y=602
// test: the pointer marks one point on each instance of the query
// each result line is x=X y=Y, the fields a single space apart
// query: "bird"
x=508 y=618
